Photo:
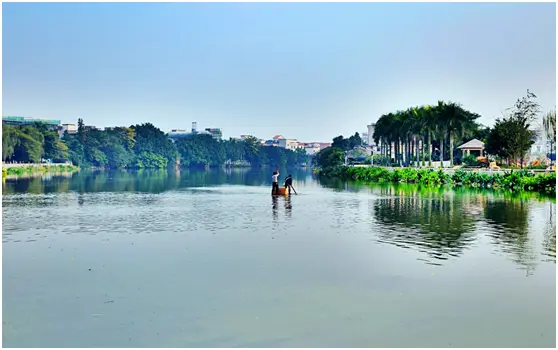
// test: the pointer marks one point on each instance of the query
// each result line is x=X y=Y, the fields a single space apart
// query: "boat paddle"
x=294 y=190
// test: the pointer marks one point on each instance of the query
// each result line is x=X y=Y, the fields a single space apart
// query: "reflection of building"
x=13 y=120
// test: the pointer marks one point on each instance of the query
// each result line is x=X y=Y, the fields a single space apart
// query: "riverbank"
x=519 y=180
x=36 y=169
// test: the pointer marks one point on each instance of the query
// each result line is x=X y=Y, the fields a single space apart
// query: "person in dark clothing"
x=289 y=183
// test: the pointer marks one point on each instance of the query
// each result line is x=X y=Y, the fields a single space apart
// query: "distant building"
x=215 y=132
x=270 y=143
x=539 y=146
x=69 y=128
x=176 y=134
x=52 y=124
x=364 y=137
x=291 y=144
x=311 y=148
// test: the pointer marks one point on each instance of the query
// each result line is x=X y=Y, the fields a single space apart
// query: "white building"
x=364 y=137
x=370 y=133
x=69 y=128
x=291 y=144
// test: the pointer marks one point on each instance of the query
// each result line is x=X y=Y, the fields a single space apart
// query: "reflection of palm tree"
x=424 y=221
x=549 y=242
x=510 y=223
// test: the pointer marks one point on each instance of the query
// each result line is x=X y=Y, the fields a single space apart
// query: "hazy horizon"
x=309 y=71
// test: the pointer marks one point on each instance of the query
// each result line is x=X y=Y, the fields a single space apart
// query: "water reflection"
x=287 y=206
x=443 y=224
x=434 y=223
x=150 y=181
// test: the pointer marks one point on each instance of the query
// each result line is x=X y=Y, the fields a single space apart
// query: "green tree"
x=330 y=157
x=10 y=139
x=150 y=139
x=510 y=138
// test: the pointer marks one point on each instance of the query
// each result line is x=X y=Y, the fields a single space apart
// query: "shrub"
x=514 y=180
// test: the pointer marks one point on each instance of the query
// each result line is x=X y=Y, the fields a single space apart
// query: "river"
x=210 y=259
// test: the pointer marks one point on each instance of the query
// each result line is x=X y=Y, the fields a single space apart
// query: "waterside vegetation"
x=512 y=180
x=39 y=170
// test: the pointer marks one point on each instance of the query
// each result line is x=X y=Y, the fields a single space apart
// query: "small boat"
x=282 y=192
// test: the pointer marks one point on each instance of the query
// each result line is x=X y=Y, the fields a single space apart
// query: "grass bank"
x=31 y=170
x=519 y=180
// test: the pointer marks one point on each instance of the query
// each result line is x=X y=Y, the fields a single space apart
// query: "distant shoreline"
x=15 y=170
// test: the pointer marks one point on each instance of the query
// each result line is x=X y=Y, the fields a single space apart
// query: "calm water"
x=209 y=259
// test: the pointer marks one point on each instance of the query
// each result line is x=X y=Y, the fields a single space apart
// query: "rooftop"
x=473 y=144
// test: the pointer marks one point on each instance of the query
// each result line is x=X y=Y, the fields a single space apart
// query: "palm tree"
x=429 y=128
x=440 y=128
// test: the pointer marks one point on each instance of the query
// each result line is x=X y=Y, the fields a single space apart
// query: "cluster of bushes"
x=60 y=168
x=514 y=180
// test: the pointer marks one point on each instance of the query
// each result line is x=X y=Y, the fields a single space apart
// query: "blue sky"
x=309 y=71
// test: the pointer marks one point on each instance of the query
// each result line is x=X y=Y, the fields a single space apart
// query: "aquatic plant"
x=514 y=180
x=28 y=170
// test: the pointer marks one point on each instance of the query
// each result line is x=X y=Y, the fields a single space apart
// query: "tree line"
x=423 y=134
x=138 y=146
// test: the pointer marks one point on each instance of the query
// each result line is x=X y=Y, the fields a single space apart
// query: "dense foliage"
x=347 y=144
x=138 y=146
x=514 y=180
x=31 y=143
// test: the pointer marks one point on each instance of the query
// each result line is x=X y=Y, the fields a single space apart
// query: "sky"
x=310 y=71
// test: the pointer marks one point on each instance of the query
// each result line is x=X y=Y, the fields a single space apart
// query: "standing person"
x=275 y=182
x=289 y=183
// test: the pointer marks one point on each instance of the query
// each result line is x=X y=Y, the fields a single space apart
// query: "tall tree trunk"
x=451 y=149
x=429 y=141
x=396 y=151
x=423 y=161
x=442 y=151
x=407 y=151
x=419 y=151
